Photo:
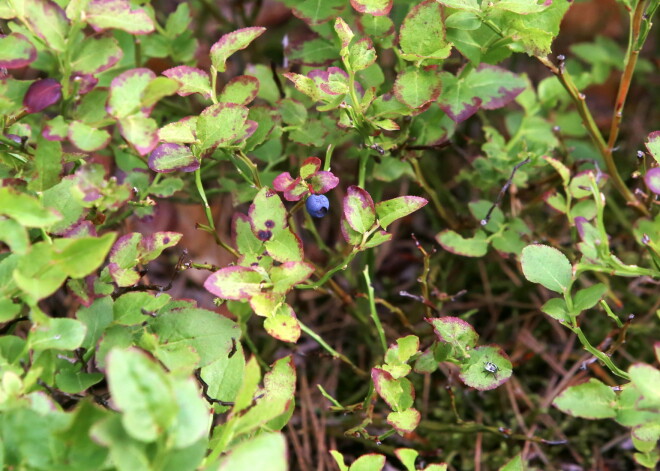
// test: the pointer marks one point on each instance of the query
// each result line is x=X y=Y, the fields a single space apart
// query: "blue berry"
x=317 y=205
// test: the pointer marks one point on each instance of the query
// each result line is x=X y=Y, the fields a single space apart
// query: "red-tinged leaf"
x=232 y=42
x=351 y=236
x=359 y=209
x=42 y=94
x=267 y=214
x=244 y=240
x=87 y=138
x=289 y=274
x=454 y=331
x=140 y=131
x=316 y=12
x=405 y=421
x=399 y=394
x=390 y=210
x=653 y=145
x=234 y=283
x=16 y=51
x=304 y=85
x=310 y=166
x=283 y=324
x=362 y=54
x=46 y=19
x=240 y=90
x=422 y=33
x=221 y=124
x=181 y=132
x=284 y=181
x=192 y=80
x=652 y=180
x=126 y=90
x=117 y=14
x=333 y=81
x=96 y=55
x=296 y=191
x=344 y=32
x=417 y=87
x=323 y=181
x=168 y=158
x=487 y=87
x=56 y=129
x=372 y=7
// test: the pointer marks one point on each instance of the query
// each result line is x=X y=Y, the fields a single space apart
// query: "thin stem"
x=252 y=166
x=209 y=216
x=372 y=310
x=597 y=353
x=421 y=181
x=342 y=266
x=332 y=351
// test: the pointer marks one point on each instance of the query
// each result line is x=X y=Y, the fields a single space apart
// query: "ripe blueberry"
x=317 y=205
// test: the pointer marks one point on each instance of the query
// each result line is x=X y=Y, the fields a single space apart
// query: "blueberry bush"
x=329 y=234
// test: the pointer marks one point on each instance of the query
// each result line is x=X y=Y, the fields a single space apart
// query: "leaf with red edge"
x=417 y=87
x=289 y=274
x=284 y=181
x=372 y=7
x=126 y=90
x=422 y=33
x=16 y=51
x=96 y=55
x=310 y=166
x=117 y=14
x=304 y=85
x=192 y=80
x=140 y=131
x=234 y=283
x=267 y=214
x=359 y=209
x=182 y=131
x=323 y=181
x=232 y=42
x=241 y=90
x=42 y=94
x=169 y=157
x=405 y=421
x=316 y=12
x=652 y=180
x=45 y=19
x=221 y=124
x=351 y=236
x=332 y=82
x=87 y=138
x=454 y=331
x=283 y=324
x=488 y=87
x=399 y=394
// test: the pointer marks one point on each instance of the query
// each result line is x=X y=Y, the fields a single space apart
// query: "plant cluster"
x=418 y=210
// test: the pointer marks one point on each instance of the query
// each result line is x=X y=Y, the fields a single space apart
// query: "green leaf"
x=240 y=90
x=522 y=7
x=345 y=34
x=463 y=20
x=58 y=334
x=267 y=214
x=588 y=297
x=96 y=55
x=221 y=124
x=647 y=379
x=468 y=5
x=372 y=7
x=86 y=138
x=81 y=256
x=37 y=274
x=590 y=400
x=211 y=336
x=133 y=308
x=234 y=283
x=453 y=242
x=96 y=318
x=265 y=451
x=405 y=421
x=422 y=34
x=229 y=43
x=653 y=145
x=397 y=393
x=359 y=209
x=556 y=308
x=390 y=210
x=407 y=456
x=14 y=235
x=316 y=12
x=488 y=367
x=74 y=382
x=454 y=331
x=488 y=87
x=284 y=246
x=170 y=157
x=193 y=417
x=140 y=131
x=273 y=401
x=141 y=390
x=289 y=274
x=514 y=464
x=158 y=88
x=182 y=131
x=117 y=14
x=224 y=376
x=26 y=210
x=416 y=87
x=547 y=266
